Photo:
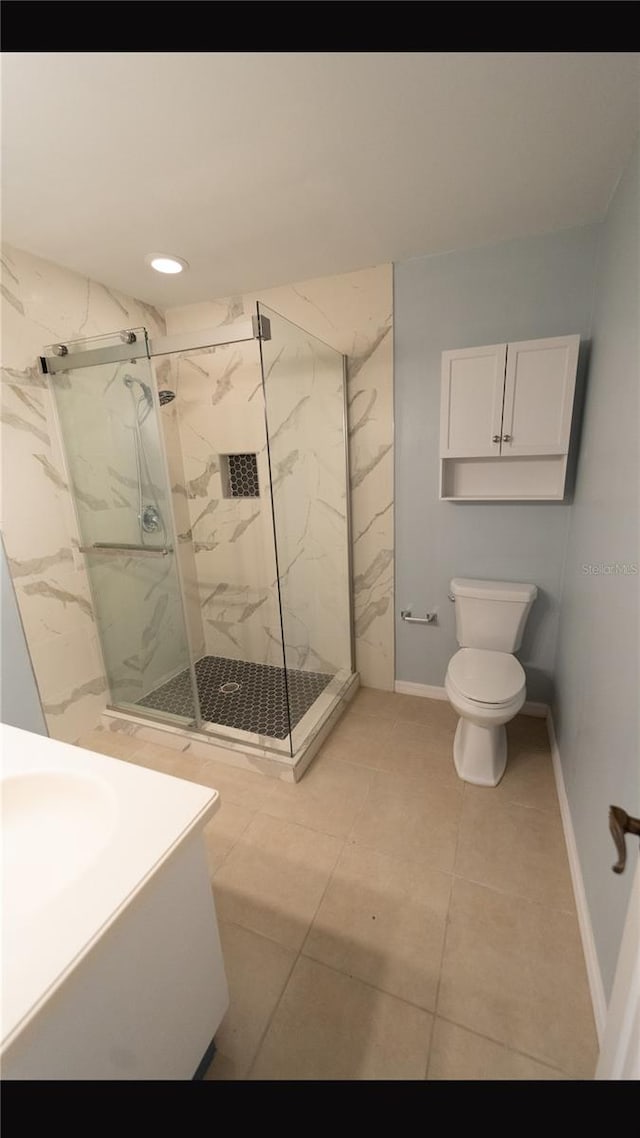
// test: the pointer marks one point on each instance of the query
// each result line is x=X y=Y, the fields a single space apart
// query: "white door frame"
x=620 y=1052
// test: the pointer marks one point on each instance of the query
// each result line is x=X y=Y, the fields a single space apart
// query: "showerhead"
x=166 y=397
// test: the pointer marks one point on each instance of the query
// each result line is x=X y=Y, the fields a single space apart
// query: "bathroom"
x=267 y=449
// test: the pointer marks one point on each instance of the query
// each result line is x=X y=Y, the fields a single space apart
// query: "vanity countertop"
x=81 y=834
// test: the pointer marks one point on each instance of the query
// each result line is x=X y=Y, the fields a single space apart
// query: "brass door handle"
x=620 y=823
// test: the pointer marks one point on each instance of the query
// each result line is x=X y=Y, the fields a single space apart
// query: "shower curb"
x=244 y=756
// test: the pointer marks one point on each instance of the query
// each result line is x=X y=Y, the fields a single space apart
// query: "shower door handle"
x=135 y=550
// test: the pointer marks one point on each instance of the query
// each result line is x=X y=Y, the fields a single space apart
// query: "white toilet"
x=484 y=682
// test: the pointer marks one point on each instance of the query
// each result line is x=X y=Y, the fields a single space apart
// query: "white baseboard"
x=594 y=975
x=427 y=691
x=431 y=691
x=537 y=710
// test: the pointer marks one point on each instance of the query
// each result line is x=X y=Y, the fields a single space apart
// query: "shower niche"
x=210 y=481
x=239 y=473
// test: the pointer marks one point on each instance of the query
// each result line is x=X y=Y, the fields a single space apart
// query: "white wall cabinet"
x=505 y=420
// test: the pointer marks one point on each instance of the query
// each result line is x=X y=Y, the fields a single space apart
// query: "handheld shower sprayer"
x=165 y=396
x=129 y=381
x=150 y=518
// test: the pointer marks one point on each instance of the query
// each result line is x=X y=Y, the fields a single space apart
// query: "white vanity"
x=111 y=960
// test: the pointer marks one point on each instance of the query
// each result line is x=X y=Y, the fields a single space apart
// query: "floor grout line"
x=359 y=812
x=324 y=893
x=252 y=1060
x=444 y=938
x=514 y=896
x=234 y=841
x=263 y=1036
x=506 y=1046
x=431 y=776
x=368 y=984
x=304 y=825
x=297 y=958
x=254 y=932
x=300 y=825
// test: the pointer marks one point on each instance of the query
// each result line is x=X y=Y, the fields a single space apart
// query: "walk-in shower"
x=210 y=478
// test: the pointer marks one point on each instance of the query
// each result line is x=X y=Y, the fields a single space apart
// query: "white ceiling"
x=266 y=168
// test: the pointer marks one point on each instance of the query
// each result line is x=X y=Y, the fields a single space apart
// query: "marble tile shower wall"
x=353 y=313
x=219 y=410
x=44 y=303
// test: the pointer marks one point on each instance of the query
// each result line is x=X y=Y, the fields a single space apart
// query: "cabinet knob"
x=507 y=438
x=495 y=438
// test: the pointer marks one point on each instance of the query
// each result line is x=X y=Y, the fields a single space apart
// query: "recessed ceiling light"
x=166 y=263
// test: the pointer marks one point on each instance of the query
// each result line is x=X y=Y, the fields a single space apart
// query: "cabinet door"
x=538 y=395
x=471 y=401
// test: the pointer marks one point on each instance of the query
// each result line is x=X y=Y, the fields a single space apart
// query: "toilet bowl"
x=485 y=683
x=486 y=689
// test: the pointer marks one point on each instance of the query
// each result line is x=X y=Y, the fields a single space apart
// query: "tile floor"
x=382 y=919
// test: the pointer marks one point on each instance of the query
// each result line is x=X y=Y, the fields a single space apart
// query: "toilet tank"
x=491 y=614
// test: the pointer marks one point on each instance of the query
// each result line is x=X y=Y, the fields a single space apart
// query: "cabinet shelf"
x=518 y=479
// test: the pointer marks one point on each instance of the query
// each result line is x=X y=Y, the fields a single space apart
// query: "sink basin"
x=54 y=825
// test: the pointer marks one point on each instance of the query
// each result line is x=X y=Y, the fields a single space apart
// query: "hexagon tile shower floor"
x=258 y=704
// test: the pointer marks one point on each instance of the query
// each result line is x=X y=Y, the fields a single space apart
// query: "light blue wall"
x=518 y=290
x=598 y=686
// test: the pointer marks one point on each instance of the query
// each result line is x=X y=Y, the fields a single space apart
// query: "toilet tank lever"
x=428 y=618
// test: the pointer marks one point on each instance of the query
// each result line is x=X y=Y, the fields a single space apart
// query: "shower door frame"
x=253 y=328
x=347 y=471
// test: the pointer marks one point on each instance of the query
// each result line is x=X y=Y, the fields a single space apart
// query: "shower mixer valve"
x=151 y=520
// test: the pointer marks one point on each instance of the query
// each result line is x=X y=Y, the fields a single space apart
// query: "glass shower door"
x=109 y=422
x=304 y=391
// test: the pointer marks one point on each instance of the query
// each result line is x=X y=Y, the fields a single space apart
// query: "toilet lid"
x=486 y=677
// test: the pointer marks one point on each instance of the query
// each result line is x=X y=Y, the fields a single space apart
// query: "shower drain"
x=229 y=687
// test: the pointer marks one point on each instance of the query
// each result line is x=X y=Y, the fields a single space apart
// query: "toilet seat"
x=492 y=679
